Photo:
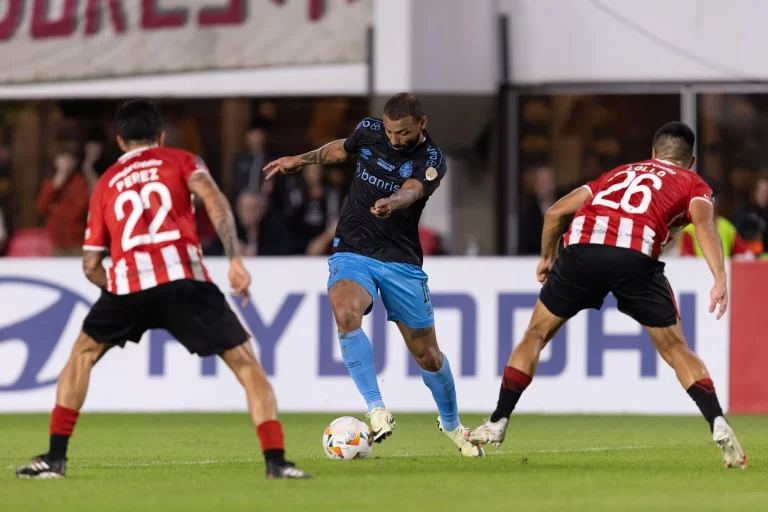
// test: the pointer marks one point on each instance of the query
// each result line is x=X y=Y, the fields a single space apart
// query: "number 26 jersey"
x=142 y=211
x=638 y=206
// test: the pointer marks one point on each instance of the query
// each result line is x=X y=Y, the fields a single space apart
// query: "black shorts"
x=584 y=274
x=195 y=313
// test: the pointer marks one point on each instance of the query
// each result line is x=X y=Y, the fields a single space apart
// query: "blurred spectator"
x=532 y=216
x=752 y=230
x=431 y=242
x=247 y=173
x=5 y=187
x=322 y=244
x=733 y=245
x=63 y=200
x=250 y=211
x=93 y=153
x=262 y=231
x=3 y=232
x=758 y=207
x=309 y=205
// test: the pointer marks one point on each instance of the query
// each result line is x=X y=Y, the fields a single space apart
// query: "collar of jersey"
x=132 y=152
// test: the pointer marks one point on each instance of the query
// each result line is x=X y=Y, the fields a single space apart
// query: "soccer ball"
x=347 y=438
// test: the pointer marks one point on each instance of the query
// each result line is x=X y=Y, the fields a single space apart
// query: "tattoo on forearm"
x=219 y=211
x=225 y=227
x=331 y=153
x=417 y=334
x=93 y=268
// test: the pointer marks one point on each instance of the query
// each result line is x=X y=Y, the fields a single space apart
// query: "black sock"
x=277 y=456
x=506 y=404
x=703 y=393
x=513 y=384
x=58 y=447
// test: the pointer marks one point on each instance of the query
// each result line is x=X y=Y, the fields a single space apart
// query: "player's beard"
x=408 y=146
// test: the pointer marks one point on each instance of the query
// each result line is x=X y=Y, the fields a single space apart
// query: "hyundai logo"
x=35 y=313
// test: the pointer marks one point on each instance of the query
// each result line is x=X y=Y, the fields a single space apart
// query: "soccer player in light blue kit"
x=377 y=250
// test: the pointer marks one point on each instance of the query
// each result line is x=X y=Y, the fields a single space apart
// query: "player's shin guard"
x=512 y=386
x=703 y=393
x=272 y=441
x=357 y=353
x=443 y=389
x=63 y=422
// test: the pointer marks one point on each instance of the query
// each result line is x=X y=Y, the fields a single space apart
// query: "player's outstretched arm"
x=703 y=218
x=411 y=191
x=93 y=269
x=331 y=153
x=202 y=185
x=554 y=221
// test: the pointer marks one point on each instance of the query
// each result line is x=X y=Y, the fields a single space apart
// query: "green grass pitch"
x=210 y=462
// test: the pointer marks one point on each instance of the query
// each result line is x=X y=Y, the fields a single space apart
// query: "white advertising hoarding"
x=601 y=362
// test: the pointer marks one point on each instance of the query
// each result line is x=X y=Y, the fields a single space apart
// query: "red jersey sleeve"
x=699 y=191
x=191 y=164
x=96 y=233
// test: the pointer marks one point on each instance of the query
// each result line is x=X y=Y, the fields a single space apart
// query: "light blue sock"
x=444 y=392
x=357 y=352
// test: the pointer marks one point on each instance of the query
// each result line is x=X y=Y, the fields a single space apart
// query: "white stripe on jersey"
x=576 y=226
x=649 y=236
x=173 y=263
x=598 y=232
x=145 y=269
x=197 y=265
x=121 y=278
x=107 y=264
x=624 y=238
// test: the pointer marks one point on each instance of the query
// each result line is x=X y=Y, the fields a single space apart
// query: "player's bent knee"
x=348 y=318
x=241 y=356
x=87 y=350
x=430 y=359
x=537 y=334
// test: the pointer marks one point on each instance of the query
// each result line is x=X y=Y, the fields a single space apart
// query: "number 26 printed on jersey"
x=632 y=184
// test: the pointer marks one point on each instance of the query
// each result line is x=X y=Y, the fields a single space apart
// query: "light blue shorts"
x=403 y=286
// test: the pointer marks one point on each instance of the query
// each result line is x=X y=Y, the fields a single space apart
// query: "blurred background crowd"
x=52 y=153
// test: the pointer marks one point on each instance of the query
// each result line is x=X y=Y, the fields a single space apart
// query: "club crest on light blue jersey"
x=406 y=169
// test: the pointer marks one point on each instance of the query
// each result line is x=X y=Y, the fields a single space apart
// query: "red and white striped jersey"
x=639 y=206
x=142 y=211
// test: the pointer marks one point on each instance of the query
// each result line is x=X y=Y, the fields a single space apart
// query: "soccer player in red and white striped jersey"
x=622 y=222
x=141 y=211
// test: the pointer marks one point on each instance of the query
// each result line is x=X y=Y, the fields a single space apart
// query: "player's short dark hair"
x=402 y=105
x=675 y=139
x=139 y=120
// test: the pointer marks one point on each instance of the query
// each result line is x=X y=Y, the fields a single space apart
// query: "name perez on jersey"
x=138 y=172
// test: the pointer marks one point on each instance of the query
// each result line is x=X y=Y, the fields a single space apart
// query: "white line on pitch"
x=207 y=462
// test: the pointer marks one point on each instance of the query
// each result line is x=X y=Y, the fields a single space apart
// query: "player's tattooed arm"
x=331 y=153
x=411 y=191
x=554 y=221
x=93 y=268
x=202 y=185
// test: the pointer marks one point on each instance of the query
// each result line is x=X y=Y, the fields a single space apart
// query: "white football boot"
x=733 y=455
x=489 y=433
x=382 y=423
x=458 y=437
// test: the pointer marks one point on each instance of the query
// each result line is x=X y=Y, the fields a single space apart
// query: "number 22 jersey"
x=638 y=206
x=142 y=211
